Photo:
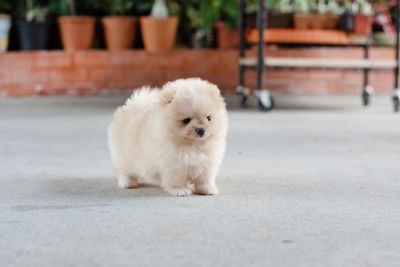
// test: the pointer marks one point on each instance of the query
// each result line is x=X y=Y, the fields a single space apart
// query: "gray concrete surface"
x=314 y=183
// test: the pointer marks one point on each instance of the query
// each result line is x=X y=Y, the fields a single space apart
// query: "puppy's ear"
x=214 y=92
x=168 y=93
x=216 y=95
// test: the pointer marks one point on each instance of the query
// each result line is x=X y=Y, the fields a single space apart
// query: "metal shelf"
x=264 y=98
x=319 y=63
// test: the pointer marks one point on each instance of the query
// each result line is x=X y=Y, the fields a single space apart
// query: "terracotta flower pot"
x=226 y=38
x=76 y=32
x=301 y=21
x=363 y=24
x=158 y=34
x=332 y=21
x=119 y=32
x=317 y=21
x=279 y=20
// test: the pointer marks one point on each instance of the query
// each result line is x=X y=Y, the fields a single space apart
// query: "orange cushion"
x=301 y=36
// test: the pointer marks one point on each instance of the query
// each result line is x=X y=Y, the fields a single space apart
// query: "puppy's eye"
x=186 y=121
x=208 y=118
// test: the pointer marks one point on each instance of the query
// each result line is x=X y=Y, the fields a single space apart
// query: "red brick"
x=144 y=74
x=353 y=75
x=5 y=77
x=383 y=53
x=277 y=85
x=327 y=74
x=382 y=81
x=16 y=89
x=129 y=84
x=160 y=59
x=173 y=60
x=27 y=76
x=197 y=58
x=89 y=72
x=17 y=61
x=292 y=74
x=338 y=87
x=90 y=58
x=107 y=74
x=229 y=60
x=129 y=57
x=10 y=59
x=58 y=59
x=172 y=73
x=309 y=87
x=75 y=75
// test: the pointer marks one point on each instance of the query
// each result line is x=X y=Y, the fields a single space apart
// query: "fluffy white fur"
x=148 y=138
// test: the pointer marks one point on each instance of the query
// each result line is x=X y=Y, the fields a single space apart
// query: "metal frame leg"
x=265 y=101
x=367 y=89
x=260 y=58
x=242 y=8
x=396 y=92
x=240 y=89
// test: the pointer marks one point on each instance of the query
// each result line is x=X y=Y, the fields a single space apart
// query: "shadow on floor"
x=102 y=188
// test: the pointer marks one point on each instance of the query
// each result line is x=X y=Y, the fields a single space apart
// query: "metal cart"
x=264 y=99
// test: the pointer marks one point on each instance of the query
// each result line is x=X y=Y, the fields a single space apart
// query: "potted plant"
x=332 y=17
x=201 y=17
x=5 y=24
x=33 y=28
x=302 y=18
x=364 y=18
x=318 y=16
x=119 y=29
x=76 y=31
x=226 y=37
x=158 y=29
x=280 y=13
x=251 y=13
x=220 y=15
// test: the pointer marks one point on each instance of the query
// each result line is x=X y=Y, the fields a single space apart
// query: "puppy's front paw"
x=206 y=189
x=179 y=191
x=127 y=182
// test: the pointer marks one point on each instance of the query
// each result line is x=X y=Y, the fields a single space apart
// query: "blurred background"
x=100 y=46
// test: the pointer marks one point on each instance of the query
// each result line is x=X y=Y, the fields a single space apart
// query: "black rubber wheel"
x=262 y=106
x=396 y=104
x=243 y=101
x=366 y=98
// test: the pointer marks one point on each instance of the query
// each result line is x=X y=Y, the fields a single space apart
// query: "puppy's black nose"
x=200 y=131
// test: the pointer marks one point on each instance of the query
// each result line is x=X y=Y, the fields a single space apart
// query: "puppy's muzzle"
x=200 y=131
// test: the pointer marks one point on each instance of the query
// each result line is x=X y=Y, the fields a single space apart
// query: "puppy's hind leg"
x=125 y=181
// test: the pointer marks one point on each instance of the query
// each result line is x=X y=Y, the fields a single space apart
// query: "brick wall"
x=95 y=71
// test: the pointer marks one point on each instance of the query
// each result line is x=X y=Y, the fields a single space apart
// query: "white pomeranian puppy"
x=174 y=137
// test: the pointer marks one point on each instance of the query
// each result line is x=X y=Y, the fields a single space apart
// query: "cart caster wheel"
x=396 y=104
x=243 y=96
x=396 y=99
x=366 y=98
x=265 y=101
x=366 y=95
x=243 y=100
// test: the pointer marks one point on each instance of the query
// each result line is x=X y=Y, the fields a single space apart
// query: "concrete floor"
x=314 y=183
